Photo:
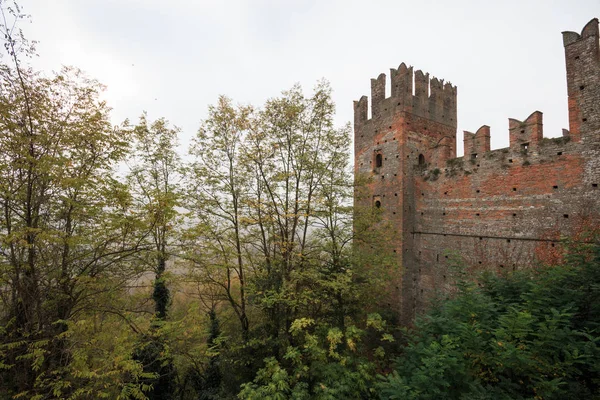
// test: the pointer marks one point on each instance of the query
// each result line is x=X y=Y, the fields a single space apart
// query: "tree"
x=65 y=230
x=217 y=199
x=154 y=180
x=301 y=210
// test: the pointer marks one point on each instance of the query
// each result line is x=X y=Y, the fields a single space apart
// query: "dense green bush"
x=524 y=335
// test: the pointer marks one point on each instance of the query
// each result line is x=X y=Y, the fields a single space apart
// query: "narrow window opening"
x=508 y=240
x=594 y=185
x=378 y=204
x=474 y=156
x=552 y=244
x=525 y=147
x=443 y=213
x=555 y=187
x=581 y=87
x=522 y=130
x=585 y=120
x=421 y=159
x=559 y=153
x=477 y=214
x=566 y=215
x=396 y=194
x=514 y=215
x=510 y=160
x=480 y=238
x=437 y=257
x=478 y=191
x=514 y=189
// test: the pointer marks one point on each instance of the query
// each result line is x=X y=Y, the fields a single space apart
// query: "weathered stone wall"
x=500 y=209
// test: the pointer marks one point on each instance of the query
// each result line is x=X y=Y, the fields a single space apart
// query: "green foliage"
x=524 y=335
x=153 y=353
x=325 y=362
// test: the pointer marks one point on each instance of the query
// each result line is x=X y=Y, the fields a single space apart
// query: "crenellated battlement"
x=477 y=143
x=526 y=133
x=527 y=144
x=590 y=30
x=412 y=92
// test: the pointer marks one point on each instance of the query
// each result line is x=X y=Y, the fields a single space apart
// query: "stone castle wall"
x=500 y=209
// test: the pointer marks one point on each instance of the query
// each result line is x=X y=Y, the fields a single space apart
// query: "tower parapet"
x=432 y=99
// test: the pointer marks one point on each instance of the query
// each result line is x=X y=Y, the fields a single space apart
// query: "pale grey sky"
x=173 y=58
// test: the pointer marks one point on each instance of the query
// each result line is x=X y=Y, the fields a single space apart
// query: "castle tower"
x=582 y=54
x=500 y=210
x=414 y=128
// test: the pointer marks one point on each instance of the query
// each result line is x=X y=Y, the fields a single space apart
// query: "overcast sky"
x=173 y=58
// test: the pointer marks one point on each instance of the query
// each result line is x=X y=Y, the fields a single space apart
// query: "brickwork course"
x=498 y=209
